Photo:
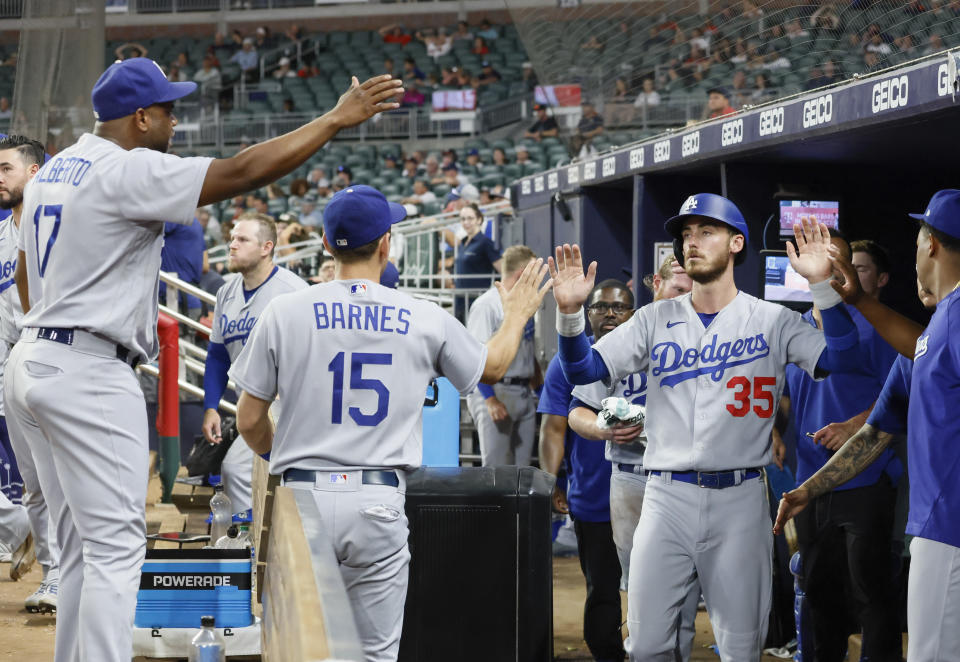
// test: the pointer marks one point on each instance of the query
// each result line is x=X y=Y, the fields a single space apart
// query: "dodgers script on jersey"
x=92 y=242
x=711 y=392
x=634 y=389
x=362 y=356
x=235 y=315
x=11 y=313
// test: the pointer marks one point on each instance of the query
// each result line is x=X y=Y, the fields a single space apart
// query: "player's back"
x=91 y=234
x=353 y=360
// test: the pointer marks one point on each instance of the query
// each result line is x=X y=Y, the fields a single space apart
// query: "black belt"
x=64 y=336
x=386 y=477
x=716 y=480
x=630 y=468
x=516 y=381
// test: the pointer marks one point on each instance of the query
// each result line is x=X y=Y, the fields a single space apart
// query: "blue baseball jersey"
x=839 y=397
x=890 y=412
x=933 y=428
x=182 y=254
x=588 y=471
x=632 y=388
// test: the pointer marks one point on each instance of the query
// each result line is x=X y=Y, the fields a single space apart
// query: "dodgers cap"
x=943 y=212
x=712 y=206
x=357 y=215
x=131 y=84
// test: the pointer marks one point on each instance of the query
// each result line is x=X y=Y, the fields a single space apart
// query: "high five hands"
x=571 y=286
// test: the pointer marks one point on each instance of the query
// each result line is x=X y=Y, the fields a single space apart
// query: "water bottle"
x=208 y=645
x=243 y=537
x=222 y=511
x=231 y=540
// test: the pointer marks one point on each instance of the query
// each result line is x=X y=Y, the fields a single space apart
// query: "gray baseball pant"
x=14 y=523
x=509 y=442
x=933 y=602
x=84 y=417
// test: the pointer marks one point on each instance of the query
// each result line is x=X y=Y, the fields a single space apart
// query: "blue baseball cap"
x=712 y=206
x=131 y=84
x=390 y=276
x=943 y=212
x=357 y=215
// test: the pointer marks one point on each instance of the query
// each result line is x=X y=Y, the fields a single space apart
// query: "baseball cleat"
x=43 y=600
x=23 y=558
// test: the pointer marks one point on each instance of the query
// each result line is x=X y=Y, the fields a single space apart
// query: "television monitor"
x=444 y=100
x=823 y=211
x=781 y=284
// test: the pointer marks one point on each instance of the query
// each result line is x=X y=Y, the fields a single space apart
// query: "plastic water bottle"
x=231 y=540
x=208 y=645
x=222 y=511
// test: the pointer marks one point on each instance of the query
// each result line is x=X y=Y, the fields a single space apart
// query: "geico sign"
x=690 y=144
x=890 y=93
x=944 y=84
x=731 y=133
x=661 y=151
x=771 y=121
x=818 y=111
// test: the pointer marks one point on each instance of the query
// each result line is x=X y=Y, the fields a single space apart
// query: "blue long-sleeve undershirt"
x=582 y=364
x=486 y=390
x=215 y=375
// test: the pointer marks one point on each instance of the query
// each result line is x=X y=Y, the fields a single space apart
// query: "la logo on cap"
x=691 y=203
x=342 y=242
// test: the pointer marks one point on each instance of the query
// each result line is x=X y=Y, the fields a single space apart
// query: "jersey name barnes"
x=353 y=317
x=713 y=359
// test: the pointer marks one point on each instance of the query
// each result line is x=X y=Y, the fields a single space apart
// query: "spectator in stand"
x=592 y=44
x=795 y=32
x=394 y=34
x=750 y=11
x=906 y=45
x=255 y=202
x=388 y=66
x=477 y=255
x=740 y=52
x=934 y=45
x=409 y=168
x=545 y=126
x=522 y=155
x=618 y=109
x=324 y=192
x=246 y=58
x=294 y=33
x=648 y=96
x=448 y=76
x=463 y=78
x=390 y=161
x=815 y=79
x=830 y=73
x=412 y=95
x=437 y=45
x=589 y=127
x=761 y=89
x=721 y=52
x=826 y=18
x=776 y=61
x=175 y=75
x=452 y=176
x=487 y=31
x=276 y=200
x=422 y=195
x=473 y=159
x=463 y=31
x=210 y=225
x=346 y=174
x=318 y=177
x=298 y=188
x=500 y=156
x=208 y=79
x=740 y=92
x=529 y=77
x=877 y=45
x=870 y=61
x=6 y=112
x=718 y=103
x=129 y=50
x=699 y=40
x=284 y=70
x=431 y=171
x=309 y=214
x=488 y=75
x=264 y=40
x=480 y=46
x=309 y=68
x=411 y=72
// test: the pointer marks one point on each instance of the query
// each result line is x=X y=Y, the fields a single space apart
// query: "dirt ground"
x=26 y=636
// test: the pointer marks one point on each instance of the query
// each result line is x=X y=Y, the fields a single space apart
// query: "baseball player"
x=239 y=304
x=714 y=361
x=845 y=541
x=20 y=160
x=87 y=268
x=933 y=595
x=505 y=413
x=350 y=360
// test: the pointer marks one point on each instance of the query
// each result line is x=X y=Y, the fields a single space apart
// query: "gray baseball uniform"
x=92 y=232
x=351 y=361
x=11 y=315
x=711 y=398
x=510 y=441
x=234 y=316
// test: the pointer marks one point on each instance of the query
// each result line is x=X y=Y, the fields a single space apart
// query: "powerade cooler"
x=177 y=587
x=441 y=425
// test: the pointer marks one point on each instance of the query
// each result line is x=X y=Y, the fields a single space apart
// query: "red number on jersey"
x=764 y=398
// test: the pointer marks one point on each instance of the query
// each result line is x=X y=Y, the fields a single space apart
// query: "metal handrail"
x=186 y=387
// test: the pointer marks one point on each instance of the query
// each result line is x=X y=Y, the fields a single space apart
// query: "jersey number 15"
x=358 y=383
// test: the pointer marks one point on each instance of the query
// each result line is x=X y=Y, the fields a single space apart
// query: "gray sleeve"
x=624 y=350
x=153 y=186
x=801 y=343
x=592 y=394
x=255 y=370
x=462 y=357
x=215 y=335
x=483 y=320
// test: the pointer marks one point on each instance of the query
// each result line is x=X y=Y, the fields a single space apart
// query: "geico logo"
x=731 y=133
x=552 y=180
x=943 y=80
x=818 y=111
x=538 y=185
x=636 y=158
x=690 y=144
x=661 y=151
x=589 y=170
x=573 y=174
x=890 y=93
x=609 y=166
x=771 y=121
x=525 y=187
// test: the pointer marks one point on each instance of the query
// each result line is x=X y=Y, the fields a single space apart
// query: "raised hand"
x=849 y=290
x=571 y=286
x=364 y=100
x=811 y=257
x=525 y=296
x=791 y=504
